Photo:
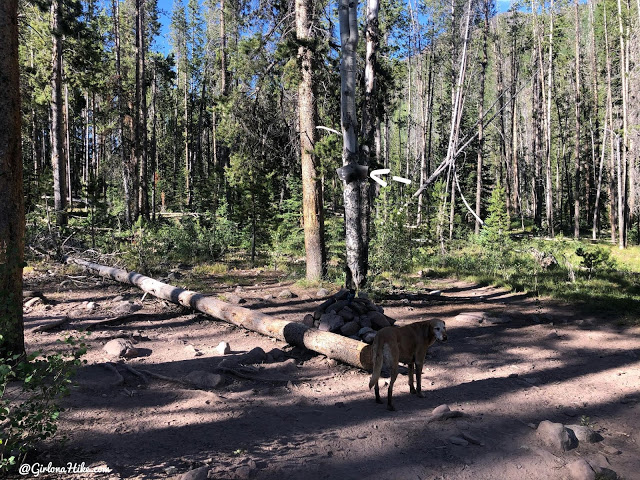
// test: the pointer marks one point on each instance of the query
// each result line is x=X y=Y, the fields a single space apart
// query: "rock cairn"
x=354 y=317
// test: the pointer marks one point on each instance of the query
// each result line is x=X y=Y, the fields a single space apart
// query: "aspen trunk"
x=347 y=350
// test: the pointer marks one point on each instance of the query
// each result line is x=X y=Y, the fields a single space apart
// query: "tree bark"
x=347 y=350
x=577 y=100
x=58 y=158
x=480 y=153
x=353 y=202
x=312 y=208
x=12 y=226
x=549 y=181
x=141 y=111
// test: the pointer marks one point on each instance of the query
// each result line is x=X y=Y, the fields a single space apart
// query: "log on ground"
x=337 y=347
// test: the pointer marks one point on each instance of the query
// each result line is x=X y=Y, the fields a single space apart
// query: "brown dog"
x=408 y=344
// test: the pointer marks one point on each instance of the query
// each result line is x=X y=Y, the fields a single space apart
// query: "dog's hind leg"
x=419 y=379
x=392 y=379
x=377 y=390
x=411 y=388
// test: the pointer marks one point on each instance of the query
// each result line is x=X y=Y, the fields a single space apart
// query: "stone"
x=119 y=298
x=346 y=313
x=378 y=320
x=323 y=292
x=365 y=321
x=330 y=322
x=364 y=330
x=90 y=306
x=286 y=293
x=239 y=289
x=277 y=354
x=308 y=320
x=580 y=470
x=118 y=347
x=584 y=434
x=380 y=309
x=471 y=438
x=350 y=328
x=336 y=307
x=268 y=297
x=440 y=409
x=601 y=466
x=201 y=473
x=235 y=299
x=458 y=441
x=471 y=318
x=244 y=472
x=222 y=348
x=202 y=379
x=191 y=350
x=435 y=293
x=126 y=308
x=499 y=320
x=554 y=435
x=253 y=356
x=171 y=470
x=369 y=337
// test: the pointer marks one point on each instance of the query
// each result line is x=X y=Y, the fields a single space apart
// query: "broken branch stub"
x=347 y=350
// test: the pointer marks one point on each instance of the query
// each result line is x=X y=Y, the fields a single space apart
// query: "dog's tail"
x=376 y=360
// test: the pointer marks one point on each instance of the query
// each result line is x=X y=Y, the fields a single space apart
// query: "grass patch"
x=605 y=281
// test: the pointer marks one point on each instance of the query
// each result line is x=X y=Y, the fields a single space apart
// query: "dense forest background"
x=523 y=122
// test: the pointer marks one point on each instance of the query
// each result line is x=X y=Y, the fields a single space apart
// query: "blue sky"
x=165 y=7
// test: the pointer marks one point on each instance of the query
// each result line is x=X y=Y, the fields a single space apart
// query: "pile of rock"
x=354 y=317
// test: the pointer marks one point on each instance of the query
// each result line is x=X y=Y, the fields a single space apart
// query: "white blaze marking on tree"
x=406 y=181
x=382 y=171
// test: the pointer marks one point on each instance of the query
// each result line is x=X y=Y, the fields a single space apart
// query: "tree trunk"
x=576 y=192
x=12 y=227
x=347 y=350
x=549 y=181
x=480 y=153
x=352 y=178
x=312 y=208
x=141 y=111
x=58 y=159
x=126 y=174
x=612 y=183
x=622 y=176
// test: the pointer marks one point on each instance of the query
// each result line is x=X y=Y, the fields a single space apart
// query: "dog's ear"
x=427 y=329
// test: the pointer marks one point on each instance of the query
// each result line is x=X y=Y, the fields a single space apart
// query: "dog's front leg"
x=419 y=379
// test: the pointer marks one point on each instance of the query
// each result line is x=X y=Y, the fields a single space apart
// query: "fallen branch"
x=347 y=350
x=45 y=327
x=111 y=321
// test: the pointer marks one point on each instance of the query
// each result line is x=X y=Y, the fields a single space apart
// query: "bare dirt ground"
x=306 y=416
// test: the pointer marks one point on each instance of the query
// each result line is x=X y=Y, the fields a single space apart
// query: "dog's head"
x=439 y=330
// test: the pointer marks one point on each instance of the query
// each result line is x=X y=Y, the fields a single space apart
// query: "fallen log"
x=337 y=347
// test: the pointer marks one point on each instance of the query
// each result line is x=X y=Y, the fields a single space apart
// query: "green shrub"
x=595 y=258
x=30 y=388
x=390 y=249
x=495 y=231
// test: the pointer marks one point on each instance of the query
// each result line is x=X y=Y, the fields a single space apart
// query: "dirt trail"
x=527 y=361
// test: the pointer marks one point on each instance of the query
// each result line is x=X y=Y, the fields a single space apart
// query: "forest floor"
x=305 y=416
